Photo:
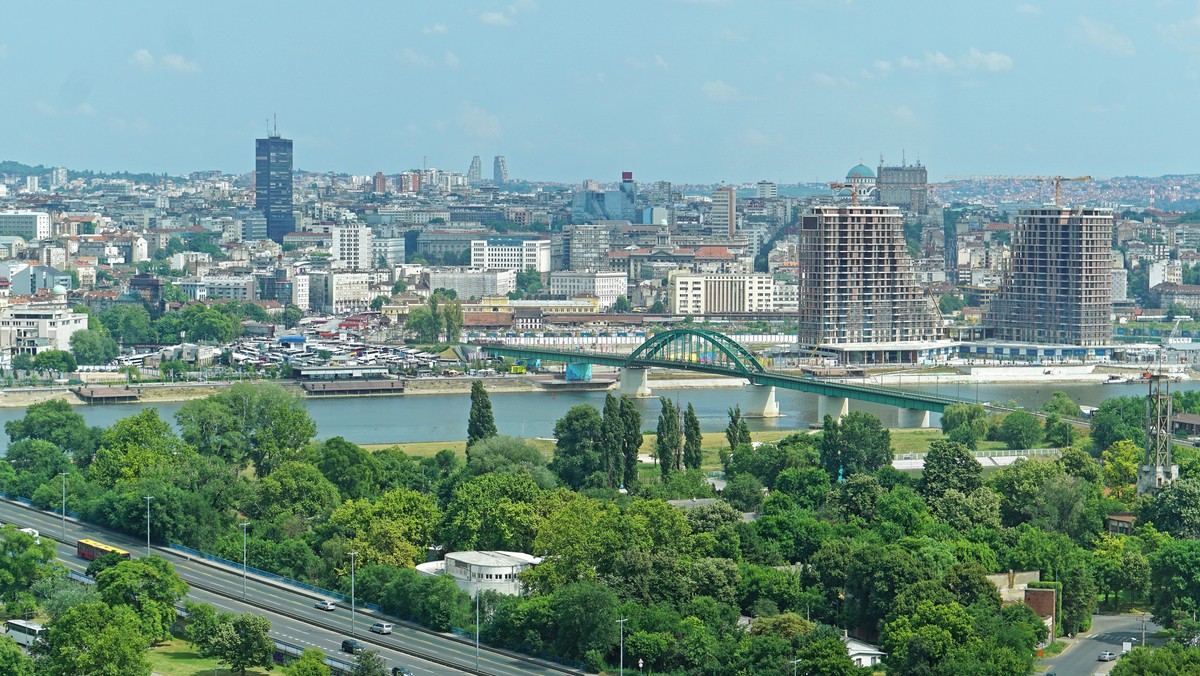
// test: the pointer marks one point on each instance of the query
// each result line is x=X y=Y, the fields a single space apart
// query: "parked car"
x=325 y=604
x=401 y=671
x=351 y=646
x=381 y=628
x=1107 y=656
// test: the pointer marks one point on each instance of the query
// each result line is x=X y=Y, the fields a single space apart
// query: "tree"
x=95 y=638
x=93 y=347
x=58 y=361
x=1175 y=582
x=744 y=492
x=35 y=462
x=493 y=512
x=424 y=323
x=949 y=466
x=612 y=442
x=632 y=438
x=310 y=663
x=392 y=529
x=1021 y=430
x=1119 y=418
x=621 y=306
x=244 y=642
x=1175 y=508
x=292 y=316
x=577 y=458
x=12 y=661
x=399 y=287
x=733 y=430
x=858 y=443
x=23 y=562
x=128 y=324
x=1061 y=404
x=257 y=423
x=693 y=439
x=378 y=302
x=668 y=439
x=965 y=423
x=368 y=663
x=148 y=585
x=348 y=467
x=480 y=424
x=586 y=619
x=1121 y=467
x=297 y=488
x=133 y=446
x=951 y=303
x=22 y=361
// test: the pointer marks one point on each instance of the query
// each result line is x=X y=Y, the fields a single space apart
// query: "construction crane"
x=1056 y=180
x=853 y=191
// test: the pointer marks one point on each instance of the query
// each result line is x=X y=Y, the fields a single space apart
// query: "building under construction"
x=857 y=283
x=1058 y=288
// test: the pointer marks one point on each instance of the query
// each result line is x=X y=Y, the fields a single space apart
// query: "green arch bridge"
x=705 y=351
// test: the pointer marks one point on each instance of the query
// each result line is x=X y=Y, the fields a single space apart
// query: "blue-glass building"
x=273 y=184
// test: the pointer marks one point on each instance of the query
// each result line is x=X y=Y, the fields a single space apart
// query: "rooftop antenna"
x=903 y=159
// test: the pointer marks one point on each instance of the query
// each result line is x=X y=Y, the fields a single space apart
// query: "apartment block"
x=857 y=283
x=1058 y=288
x=703 y=294
x=472 y=282
x=352 y=246
x=31 y=225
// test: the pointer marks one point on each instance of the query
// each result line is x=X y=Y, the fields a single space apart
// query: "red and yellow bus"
x=90 y=550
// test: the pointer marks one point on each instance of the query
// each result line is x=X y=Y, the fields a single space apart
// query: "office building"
x=767 y=190
x=607 y=287
x=475 y=173
x=503 y=253
x=273 y=184
x=338 y=292
x=499 y=170
x=722 y=218
x=30 y=328
x=472 y=282
x=583 y=247
x=220 y=287
x=28 y=225
x=704 y=294
x=1058 y=288
x=905 y=186
x=352 y=246
x=857 y=283
x=387 y=252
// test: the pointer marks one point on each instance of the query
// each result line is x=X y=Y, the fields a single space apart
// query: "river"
x=381 y=420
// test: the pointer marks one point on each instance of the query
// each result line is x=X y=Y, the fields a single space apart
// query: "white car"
x=381 y=628
x=325 y=604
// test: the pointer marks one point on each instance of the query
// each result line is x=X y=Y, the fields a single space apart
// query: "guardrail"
x=272 y=576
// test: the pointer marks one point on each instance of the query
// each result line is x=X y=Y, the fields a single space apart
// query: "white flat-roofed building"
x=352 y=246
x=702 y=294
x=30 y=225
x=503 y=254
x=607 y=287
x=31 y=328
x=473 y=282
x=475 y=571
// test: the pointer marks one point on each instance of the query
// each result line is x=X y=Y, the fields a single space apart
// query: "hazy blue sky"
x=677 y=90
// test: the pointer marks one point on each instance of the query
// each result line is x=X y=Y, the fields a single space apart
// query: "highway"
x=294 y=619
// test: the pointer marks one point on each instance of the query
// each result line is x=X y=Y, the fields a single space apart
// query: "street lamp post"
x=622 y=622
x=477 y=592
x=794 y=663
x=245 y=525
x=352 y=555
x=64 y=505
x=148 y=499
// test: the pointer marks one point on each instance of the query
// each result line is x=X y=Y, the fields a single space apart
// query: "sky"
x=689 y=91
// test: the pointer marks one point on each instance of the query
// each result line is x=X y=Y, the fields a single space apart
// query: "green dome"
x=860 y=171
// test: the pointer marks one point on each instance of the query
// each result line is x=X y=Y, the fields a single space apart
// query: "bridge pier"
x=762 y=402
x=633 y=382
x=912 y=417
x=837 y=407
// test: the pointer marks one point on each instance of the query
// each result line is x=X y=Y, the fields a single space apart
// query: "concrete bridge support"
x=912 y=417
x=833 y=406
x=633 y=382
x=762 y=402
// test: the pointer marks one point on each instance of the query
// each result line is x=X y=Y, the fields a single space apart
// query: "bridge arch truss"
x=697 y=347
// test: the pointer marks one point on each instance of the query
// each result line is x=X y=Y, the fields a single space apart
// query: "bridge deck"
x=887 y=396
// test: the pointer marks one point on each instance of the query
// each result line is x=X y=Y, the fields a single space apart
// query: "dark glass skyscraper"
x=273 y=184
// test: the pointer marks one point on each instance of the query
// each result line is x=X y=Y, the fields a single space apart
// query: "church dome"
x=59 y=290
x=860 y=171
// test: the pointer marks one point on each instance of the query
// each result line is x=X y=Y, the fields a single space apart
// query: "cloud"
x=507 y=16
x=85 y=109
x=1105 y=37
x=142 y=59
x=409 y=56
x=905 y=115
x=661 y=62
x=479 y=123
x=1185 y=34
x=435 y=29
x=179 y=64
x=45 y=108
x=719 y=90
x=496 y=18
x=882 y=66
x=827 y=80
x=1029 y=9
x=634 y=62
x=974 y=59
x=989 y=61
x=451 y=60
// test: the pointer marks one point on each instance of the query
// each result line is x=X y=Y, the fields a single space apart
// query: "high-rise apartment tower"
x=722 y=219
x=1058 y=288
x=857 y=283
x=474 y=174
x=273 y=184
x=499 y=170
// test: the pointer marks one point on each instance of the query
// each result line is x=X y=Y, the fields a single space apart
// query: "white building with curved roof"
x=473 y=571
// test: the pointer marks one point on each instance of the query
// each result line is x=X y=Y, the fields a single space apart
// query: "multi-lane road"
x=294 y=619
